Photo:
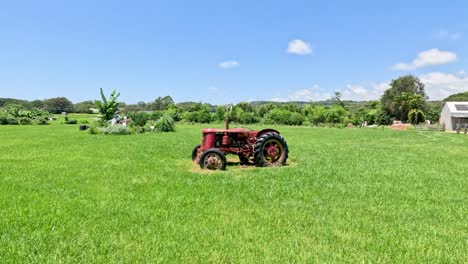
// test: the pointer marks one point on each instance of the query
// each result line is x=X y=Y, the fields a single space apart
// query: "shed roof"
x=458 y=109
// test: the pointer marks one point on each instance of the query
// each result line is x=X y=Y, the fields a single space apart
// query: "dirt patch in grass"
x=233 y=164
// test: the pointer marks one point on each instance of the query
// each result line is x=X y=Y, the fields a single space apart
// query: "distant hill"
x=4 y=101
x=457 y=97
x=326 y=102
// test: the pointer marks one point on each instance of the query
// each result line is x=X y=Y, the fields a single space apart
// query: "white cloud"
x=213 y=89
x=229 y=64
x=439 y=85
x=278 y=99
x=315 y=93
x=299 y=47
x=310 y=94
x=444 y=34
x=428 y=58
x=364 y=92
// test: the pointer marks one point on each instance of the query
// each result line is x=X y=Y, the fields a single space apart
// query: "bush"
x=155 y=115
x=247 y=118
x=84 y=121
x=94 y=130
x=172 y=112
x=137 y=129
x=296 y=119
x=3 y=118
x=6 y=119
x=25 y=120
x=116 y=130
x=70 y=121
x=139 y=118
x=416 y=116
x=150 y=126
x=41 y=121
x=165 y=124
x=284 y=117
x=202 y=116
x=278 y=116
x=336 y=114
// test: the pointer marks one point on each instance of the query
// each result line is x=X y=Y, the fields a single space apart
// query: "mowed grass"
x=348 y=195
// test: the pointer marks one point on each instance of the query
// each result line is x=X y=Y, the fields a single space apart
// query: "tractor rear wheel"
x=213 y=159
x=270 y=150
x=195 y=152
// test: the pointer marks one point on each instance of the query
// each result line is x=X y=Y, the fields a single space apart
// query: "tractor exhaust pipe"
x=225 y=141
x=228 y=109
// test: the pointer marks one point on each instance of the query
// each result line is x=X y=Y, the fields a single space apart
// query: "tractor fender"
x=263 y=131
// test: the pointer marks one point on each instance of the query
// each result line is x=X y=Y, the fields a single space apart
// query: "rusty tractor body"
x=264 y=148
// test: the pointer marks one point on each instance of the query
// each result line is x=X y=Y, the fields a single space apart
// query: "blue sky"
x=230 y=51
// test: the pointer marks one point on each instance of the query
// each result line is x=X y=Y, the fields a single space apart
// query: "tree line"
x=404 y=100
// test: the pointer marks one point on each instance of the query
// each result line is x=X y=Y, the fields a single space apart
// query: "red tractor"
x=264 y=148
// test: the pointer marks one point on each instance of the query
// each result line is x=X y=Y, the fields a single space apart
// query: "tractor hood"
x=232 y=130
x=239 y=130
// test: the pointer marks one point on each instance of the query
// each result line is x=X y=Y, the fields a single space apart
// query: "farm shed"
x=454 y=113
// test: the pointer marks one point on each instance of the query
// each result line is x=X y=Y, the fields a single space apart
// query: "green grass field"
x=348 y=195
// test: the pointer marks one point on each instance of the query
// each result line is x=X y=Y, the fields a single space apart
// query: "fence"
x=435 y=127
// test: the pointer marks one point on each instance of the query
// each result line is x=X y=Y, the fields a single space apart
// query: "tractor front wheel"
x=270 y=150
x=195 y=152
x=213 y=159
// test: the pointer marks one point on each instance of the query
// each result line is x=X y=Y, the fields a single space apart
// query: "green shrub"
x=284 y=117
x=71 y=121
x=41 y=121
x=3 y=118
x=116 y=130
x=202 y=116
x=416 y=116
x=15 y=110
x=296 y=119
x=247 y=118
x=25 y=120
x=139 y=118
x=137 y=129
x=84 y=121
x=9 y=120
x=94 y=130
x=165 y=124
x=155 y=115
x=150 y=126
x=174 y=113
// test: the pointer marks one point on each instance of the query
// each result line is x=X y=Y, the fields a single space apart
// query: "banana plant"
x=108 y=107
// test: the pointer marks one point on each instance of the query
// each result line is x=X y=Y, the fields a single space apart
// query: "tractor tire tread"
x=217 y=151
x=258 y=155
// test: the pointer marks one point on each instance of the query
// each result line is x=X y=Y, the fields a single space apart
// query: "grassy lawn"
x=348 y=195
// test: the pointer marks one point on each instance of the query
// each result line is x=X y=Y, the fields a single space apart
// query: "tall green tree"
x=337 y=97
x=406 y=102
x=58 y=105
x=162 y=103
x=108 y=107
x=409 y=84
x=84 y=107
x=416 y=116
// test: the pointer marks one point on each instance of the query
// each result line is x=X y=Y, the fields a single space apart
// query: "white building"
x=454 y=113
